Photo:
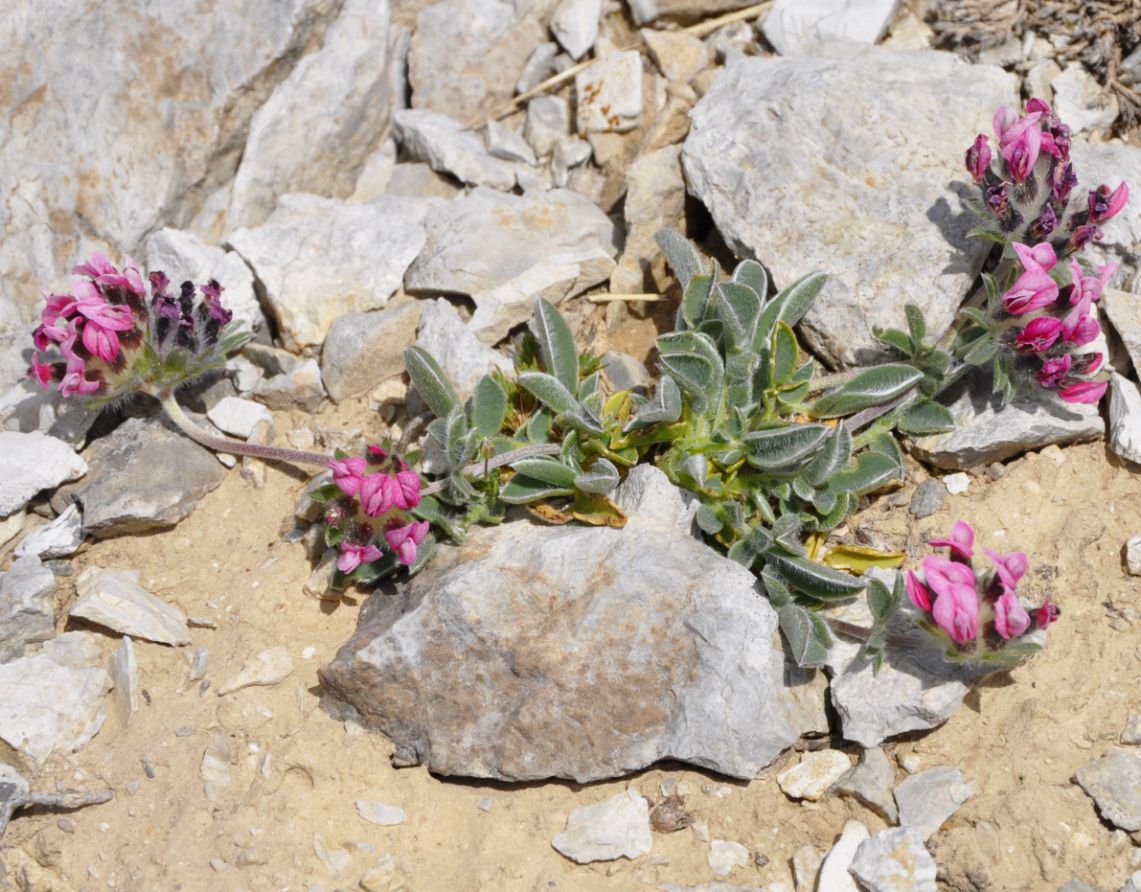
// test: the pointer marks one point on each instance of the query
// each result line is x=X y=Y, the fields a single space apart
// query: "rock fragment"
x=794 y=25
x=463 y=357
x=33 y=462
x=618 y=827
x=575 y=25
x=376 y=812
x=26 y=612
x=124 y=670
x=834 y=875
x=115 y=600
x=58 y=539
x=547 y=121
x=363 y=349
x=871 y=782
x=928 y=798
x=894 y=861
x=1125 y=418
x=238 y=417
x=679 y=56
x=928 y=498
x=215 y=765
x=1113 y=781
x=450 y=148
x=725 y=856
x=298 y=387
x=1080 y=101
x=1124 y=312
x=508 y=145
x=655 y=198
x=608 y=94
x=813 y=775
x=270 y=667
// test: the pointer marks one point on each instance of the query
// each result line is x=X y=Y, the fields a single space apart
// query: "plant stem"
x=236 y=447
x=480 y=468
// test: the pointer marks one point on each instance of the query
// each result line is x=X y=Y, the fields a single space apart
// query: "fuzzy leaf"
x=430 y=381
x=601 y=478
x=739 y=309
x=873 y=470
x=859 y=559
x=696 y=468
x=456 y=437
x=695 y=302
x=785 y=354
x=813 y=579
x=681 y=255
x=327 y=493
x=665 y=407
x=548 y=390
x=754 y=275
x=925 y=418
x=778 y=593
x=522 y=489
x=556 y=344
x=695 y=375
x=782 y=447
x=871 y=387
x=797 y=299
x=538 y=428
x=708 y=520
x=883 y=601
x=488 y=407
x=832 y=457
x=982 y=351
x=900 y=340
x=807 y=635
x=916 y=324
x=546 y=470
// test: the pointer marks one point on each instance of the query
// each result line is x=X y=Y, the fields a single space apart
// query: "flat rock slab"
x=1113 y=781
x=52 y=702
x=1124 y=312
x=894 y=861
x=987 y=431
x=1125 y=418
x=784 y=152
x=448 y=147
x=144 y=476
x=60 y=538
x=503 y=251
x=793 y=26
x=618 y=827
x=26 y=611
x=928 y=798
x=115 y=600
x=319 y=258
x=586 y=653
x=363 y=349
x=33 y=462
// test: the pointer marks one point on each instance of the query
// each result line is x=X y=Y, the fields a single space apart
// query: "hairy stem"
x=236 y=447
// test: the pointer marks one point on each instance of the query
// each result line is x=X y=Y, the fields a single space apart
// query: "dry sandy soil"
x=296 y=772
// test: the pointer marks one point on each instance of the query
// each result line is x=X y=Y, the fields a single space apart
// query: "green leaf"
x=754 y=275
x=872 y=470
x=813 y=579
x=740 y=369
x=739 y=309
x=696 y=377
x=601 y=478
x=546 y=470
x=548 y=390
x=916 y=324
x=457 y=443
x=538 y=427
x=695 y=301
x=859 y=558
x=900 y=340
x=430 y=381
x=871 y=387
x=782 y=447
x=797 y=299
x=665 y=407
x=883 y=601
x=681 y=255
x=831 y=459
x=807 y=635
x=522 y=489
x=327 y=493
x=556 y=344
x=982 y=351
x=488 y=407
x=925 y=418
x=785 y=354
x=708 y=520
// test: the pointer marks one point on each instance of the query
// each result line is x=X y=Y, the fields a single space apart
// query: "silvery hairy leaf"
x=871 y=387
x=430 y=381
x=682 y=256
x=781 y=448
x=601 y=478
x=556 y=344
x=548 y=390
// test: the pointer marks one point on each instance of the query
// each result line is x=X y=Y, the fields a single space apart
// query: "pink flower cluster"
x=88 y=342
x=963 y=603
x=1030 y=191
x=1058 y=321
x=377 y=491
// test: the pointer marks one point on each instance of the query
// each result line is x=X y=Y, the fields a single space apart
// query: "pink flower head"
x=1010 y=617
x=377 y=494
x=1020 y=145
x=1104 y=203
x=55 y=307
x=1005 y=117
x=100 y=269
x=1036 y=257
x=1089 y=286
x=347 y=473
x=407 y=490
x=1047 y=613
x=1033 y=290
x=1084 y=391
x=978 y=158
x=1010 y=567
x=75 y=382
x=942 y=574
x=41 y=372
x=919 y=593
x=956 y=612
x=1038 y=334
x=403 y=540
x=961 y=540
x=353 y=555
x=1053 y=371
x=1079 y=327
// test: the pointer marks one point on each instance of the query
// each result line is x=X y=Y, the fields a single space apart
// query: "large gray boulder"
x=849 y=161
x=577 y=652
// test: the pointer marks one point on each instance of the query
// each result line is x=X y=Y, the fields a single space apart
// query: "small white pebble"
x=957 y=484
x=308 y=653
x=910 y=762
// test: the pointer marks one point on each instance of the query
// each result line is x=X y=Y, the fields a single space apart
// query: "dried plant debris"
x=1098 y=33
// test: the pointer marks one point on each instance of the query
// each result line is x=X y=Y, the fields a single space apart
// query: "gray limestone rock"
x=238 y=417
x=463 y=357
x=26 y=612
x=124 y=670
x=987 y=431
x=928 y=498
x=928 y=798
x=539 y=66
x=115 y=600
x=503 y=251
x=182 y=256
x=547 y=122
x=608 y=94
x=27 y=407
x=508 y=144
x=1113 y=781
x=52 y=702
x=58 y=539
x=33 y=462
x=144 y=476
x=679 y=56
x=575 y=25
x=793 y=26
x=655 y=198
x=448 y=147
x=783 y=151
x=1124 y=312
x=466 y=55
x=1080 y=101
x=871 y=782
x=319 y=258
x=298 y=387
x=894 y=861
x=321 y=123
x=834 y=875
x=618 y=827
x=645 y=11
x=362 y=349
x=588 y=653
x=1125 y=418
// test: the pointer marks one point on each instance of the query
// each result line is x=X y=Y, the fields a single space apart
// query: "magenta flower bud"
x=1010 y=617
x=1084 y=391
x=353 y=555
x=1034 y=104
x=1062 y=182
x=998 y=198
x=956 y=612
x=1020 y=144
x=978 y=158
x=961 y=541
x=377 y=453
x=404 y=540
x=1104 y=204
x=941 y=574
x=1033 y=290
x=1009 y=567
x=377 y=494
x=1038 y=334
x=407 y=490
x=1053 y=371
x=1047 y=613
x=919 y=594
x=347 y=474
x=1083 y=235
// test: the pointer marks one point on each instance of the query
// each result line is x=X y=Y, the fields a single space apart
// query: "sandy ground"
x=296 y=773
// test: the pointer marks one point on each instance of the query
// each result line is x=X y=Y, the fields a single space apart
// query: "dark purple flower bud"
x=159 y=282
x=1082 y=236
x=1104 y=203
x=1062 y=182
x=978 y=158
x=1041 y=228
x=998 y=198
x=212 y=292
